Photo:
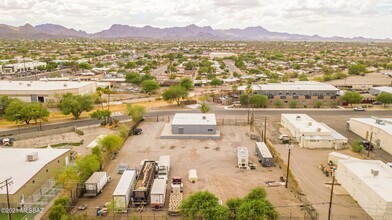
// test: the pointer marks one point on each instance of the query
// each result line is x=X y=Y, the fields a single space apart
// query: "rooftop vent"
x=298 y=118
x=28 y=84
x=374 y=172
x=32 y=156
x=318 y=129
x=309 y=123
x=204 y=117
x=65 y=85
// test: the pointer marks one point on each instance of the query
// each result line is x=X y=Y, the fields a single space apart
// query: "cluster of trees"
x=206 y=205
x=178 y=92
x=23 y=112
x=76 y=104
x=147 y=81
x=254 y=101
x=357 y=69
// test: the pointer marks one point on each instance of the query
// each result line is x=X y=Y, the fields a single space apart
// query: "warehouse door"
x=181 y=130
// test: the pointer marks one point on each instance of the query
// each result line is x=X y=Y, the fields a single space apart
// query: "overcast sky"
x=347 y=18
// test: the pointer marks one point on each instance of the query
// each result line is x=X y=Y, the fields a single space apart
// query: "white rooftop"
x=41 y=85
x=385 y=126
x=13 y=164
x=294 y=86
x=385 y=89
x=306 y=124
x=381 y=184
x=193 y=119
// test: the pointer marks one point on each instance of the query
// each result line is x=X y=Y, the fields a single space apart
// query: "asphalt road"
x=41 y=75
x=232 y=67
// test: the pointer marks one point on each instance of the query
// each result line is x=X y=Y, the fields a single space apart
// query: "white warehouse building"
x=20 y=67
x=378 y=131
x=311 y=134
x=44 y=91
x=369 y=183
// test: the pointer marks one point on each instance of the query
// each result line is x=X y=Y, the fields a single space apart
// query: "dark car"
x=137 y=131
x=367 y=145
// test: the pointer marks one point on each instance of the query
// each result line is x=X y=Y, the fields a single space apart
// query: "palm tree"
x=248 y=92
x=99 y=92
x=107 y=91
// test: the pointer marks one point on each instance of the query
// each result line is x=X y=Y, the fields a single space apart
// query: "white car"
x=359 y=109
x=283 y=136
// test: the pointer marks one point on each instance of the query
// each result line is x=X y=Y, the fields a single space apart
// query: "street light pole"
x=330 y=198
x=289 y=147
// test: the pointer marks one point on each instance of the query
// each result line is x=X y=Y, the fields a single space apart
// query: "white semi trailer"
x=122 y=193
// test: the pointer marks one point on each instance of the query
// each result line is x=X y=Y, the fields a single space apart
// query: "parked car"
x=122 y=167
x=377 y=103
x=137 y=131
x=367 y=145
x=82 y=207
x=359 y=109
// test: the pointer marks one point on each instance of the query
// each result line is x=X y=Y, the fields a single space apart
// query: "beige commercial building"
x=369 y=183
x=311 y=134
x=378 y=131
x=44 y=91
x=29 y=169
x=20 y=67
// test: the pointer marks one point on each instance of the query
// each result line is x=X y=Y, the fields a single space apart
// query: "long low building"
x=378 y=131
x=29 y=169
x=304 y=92
x=311 y=134
x=377 y=90
x=20 y=67
x=369 y=183
x=44 y=91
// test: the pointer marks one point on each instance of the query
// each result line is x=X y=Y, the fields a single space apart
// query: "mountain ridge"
x=189 y=32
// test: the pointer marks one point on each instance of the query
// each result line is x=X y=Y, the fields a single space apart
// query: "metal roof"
x=13 y=164
x=125 y=181
x=385 y=125
x=292 y=86
x=97 y=176
x=193 y=119
x=41 y=85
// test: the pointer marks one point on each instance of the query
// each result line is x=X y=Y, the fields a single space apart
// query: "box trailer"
x=145 y=179
x=122 y=193
x=242 y=157
x=163 y=167
x=158 y=193
x=95 y=183
x=263 y=153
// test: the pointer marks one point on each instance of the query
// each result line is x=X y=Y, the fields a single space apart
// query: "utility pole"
x=265 y=129
x=5 y=184
x=288 y=146
x=370 y=144
x=330 y=198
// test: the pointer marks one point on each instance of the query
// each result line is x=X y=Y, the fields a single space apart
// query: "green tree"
x=293 y=104
x=189 y=65
x=172 y=76
x=4 y=102
x=68 y=179
x=385 y=98
x=111 y=142
x=259 y=101
x=216 y=82
x=203 y=205
x=303 y=77
x=318 y=104
x=186 y=83
x=279 y=104
x=357 y=69
x=204 y=108
x=244 y=100
x=102 y=115
x=174 y=93
x=123 y=132
x=51 y=66
x=97 y=151
x=136 y=112
x=22 y=111
x=85 y=66
x=351 y=97
x=233 y=205
x=130 y=65
x=87 y=165
x=133 y=78
x=76 y=104
x=357 y=146
x=150 y=85
x=59 y=211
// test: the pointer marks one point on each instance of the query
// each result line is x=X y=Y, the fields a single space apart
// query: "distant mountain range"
x=190 y=32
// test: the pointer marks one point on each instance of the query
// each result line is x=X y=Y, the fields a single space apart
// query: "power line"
x=5 y=184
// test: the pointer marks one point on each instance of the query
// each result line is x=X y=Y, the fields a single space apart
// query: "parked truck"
x=163 y=167
x=141 y=192
x=122 y=193
x=175 y=196
x=96 y=183
x=158 y=193
x=242 y=157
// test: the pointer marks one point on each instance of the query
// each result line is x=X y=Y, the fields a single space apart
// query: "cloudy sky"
x=347 y=18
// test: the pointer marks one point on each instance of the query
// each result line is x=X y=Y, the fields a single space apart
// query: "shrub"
x=357 y=146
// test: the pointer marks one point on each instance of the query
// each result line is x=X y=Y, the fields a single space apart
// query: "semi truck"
x=163 y=167
x=122 y=193
x=96 y=183
x=175 y=196
x=158 y=193
x=145 y=179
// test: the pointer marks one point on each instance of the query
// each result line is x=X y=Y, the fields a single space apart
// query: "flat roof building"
x=376 y=130
x=221 y=55
x=377 y=90
x=184 y=123
x=20 y=67
x=43 y=91
x=29 y=168
x=369 y=183
x=311 y=134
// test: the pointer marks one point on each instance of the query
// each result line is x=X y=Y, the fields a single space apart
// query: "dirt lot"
x=370 y=78
x=215 y=162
